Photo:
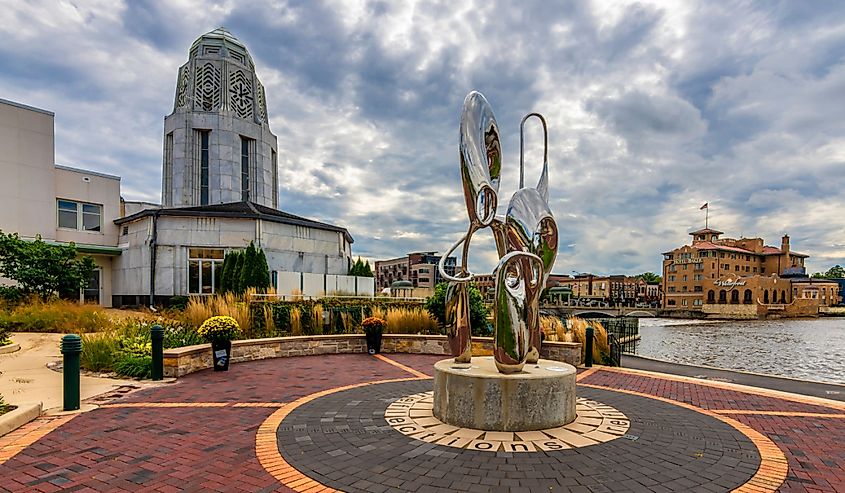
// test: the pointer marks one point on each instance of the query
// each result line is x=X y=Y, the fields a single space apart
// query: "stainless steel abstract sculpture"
x=526 y=240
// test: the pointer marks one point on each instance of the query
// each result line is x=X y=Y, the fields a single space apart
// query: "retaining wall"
x=185 y=360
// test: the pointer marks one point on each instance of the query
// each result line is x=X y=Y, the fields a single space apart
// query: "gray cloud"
x=653 y=110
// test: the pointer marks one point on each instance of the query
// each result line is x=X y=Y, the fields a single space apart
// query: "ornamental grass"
x=201 y=308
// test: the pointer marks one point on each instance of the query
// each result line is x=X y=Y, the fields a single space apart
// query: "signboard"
x=687 y=261
x=729 y=283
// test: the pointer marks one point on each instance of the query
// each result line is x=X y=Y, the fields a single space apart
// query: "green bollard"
x=71 y=348
x=157 y=336
x=588 y=349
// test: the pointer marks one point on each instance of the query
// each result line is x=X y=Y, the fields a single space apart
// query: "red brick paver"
x=204 y=433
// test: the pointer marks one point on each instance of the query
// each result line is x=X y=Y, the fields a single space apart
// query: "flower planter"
x=222 y=352
x=373 y=342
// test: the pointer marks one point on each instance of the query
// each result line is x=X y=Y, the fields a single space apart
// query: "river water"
x=809 y=349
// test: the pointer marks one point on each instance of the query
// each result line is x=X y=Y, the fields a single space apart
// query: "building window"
x=167 y=174
x=124 y=231
x=671 y=302
x=79 y=215
x=736 y=268
x=205 y=269
x=684 y=302
x=202 y=138
x=696 y=302
x=697 y=289
x=722 y=255
x=672 y=278
x=754 y=269
x=247 y=152
x=273 y=163
x=671 y=289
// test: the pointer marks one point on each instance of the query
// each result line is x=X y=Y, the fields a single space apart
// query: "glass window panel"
x=67 y=205
x=193 y=276
x=67 y=219
x=91 y=222
x=205 y=278
x=218 y=274
x=91 y=208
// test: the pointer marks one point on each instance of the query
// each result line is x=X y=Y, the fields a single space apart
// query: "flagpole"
x=706 y=215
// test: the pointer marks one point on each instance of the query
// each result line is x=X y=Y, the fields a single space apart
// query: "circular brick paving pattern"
x=343 y=441
x=594 y=423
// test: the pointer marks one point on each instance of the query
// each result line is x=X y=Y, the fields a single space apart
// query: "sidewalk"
x=25 y=378
x=804 y=387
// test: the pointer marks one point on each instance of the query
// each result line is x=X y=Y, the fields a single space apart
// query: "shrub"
x=4 y=337
x=103 y=350
x=218 y=329
x=177 y=302
x=99 y=351
x=11 y=295
x=436 y=305
x=42 y=268
x=134 y=365
x=4 y=408
x=55 y=316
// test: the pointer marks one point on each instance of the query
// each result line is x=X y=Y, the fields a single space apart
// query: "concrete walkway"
x=803 y=387
x=25 y=378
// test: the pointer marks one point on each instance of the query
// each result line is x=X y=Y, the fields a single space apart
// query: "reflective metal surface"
x=518 y=288
x=526 y=241
x=457 y=321
x=543 y=183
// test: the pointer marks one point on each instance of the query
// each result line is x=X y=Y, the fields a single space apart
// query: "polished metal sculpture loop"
x=526 y=240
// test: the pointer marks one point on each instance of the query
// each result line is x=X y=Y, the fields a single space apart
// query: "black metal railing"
x=626 y=331
x=615 y=349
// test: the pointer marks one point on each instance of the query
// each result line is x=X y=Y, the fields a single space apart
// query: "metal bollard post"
x=157 y=337
x=588 y=348
x=71 y=348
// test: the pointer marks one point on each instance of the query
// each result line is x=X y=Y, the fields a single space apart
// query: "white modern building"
x=220 y=191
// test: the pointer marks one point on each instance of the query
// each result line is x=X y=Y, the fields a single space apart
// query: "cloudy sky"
x=654 y=108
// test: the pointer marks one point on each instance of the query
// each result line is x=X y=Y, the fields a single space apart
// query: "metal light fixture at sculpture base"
x=526 y=240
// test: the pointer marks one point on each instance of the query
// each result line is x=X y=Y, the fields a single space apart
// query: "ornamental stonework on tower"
x=218 y=147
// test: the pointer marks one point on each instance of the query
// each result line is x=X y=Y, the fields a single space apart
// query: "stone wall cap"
x=484 y=367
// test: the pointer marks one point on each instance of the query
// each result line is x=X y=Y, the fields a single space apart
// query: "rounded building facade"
x=218 y=147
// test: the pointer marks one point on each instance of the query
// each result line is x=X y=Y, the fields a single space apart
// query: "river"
x=809 y=349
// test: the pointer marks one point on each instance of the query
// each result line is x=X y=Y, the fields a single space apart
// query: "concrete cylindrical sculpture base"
x=477 y=396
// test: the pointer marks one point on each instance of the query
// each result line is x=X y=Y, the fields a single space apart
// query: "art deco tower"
x=218 y=147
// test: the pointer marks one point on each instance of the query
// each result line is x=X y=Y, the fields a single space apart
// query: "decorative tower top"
x=218 y=147
x=223 y=78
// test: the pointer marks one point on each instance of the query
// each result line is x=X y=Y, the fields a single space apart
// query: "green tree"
x=237 y=272
x=436 y=305
x=368 y=271
x=262 y=276
x=650 y=278
x=44 y=269
x=247 y=274
x=356 y=268
x=226 y=277
x=835 y=272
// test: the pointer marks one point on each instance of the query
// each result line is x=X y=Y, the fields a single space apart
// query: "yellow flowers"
x=373 y=325
x=220 y=328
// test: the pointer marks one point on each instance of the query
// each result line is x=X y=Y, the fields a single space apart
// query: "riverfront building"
x=741 y=278
x=416 y=273
x=220 y=191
